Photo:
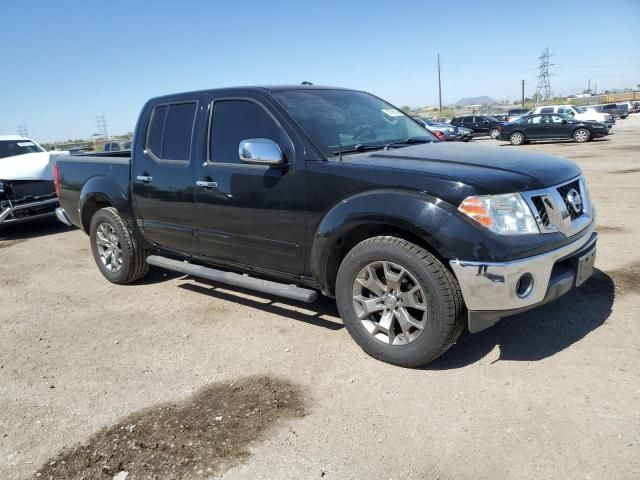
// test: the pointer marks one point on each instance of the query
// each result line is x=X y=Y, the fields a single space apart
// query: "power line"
x=23 y=131
x=543 y=91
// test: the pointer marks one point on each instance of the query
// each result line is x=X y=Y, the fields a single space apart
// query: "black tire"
x=517 y=138
x=582 y=135
x=134 y=265
x=494 y=133
x=445 y=306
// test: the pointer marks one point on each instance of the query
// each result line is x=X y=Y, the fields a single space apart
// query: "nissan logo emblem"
x=574 y=199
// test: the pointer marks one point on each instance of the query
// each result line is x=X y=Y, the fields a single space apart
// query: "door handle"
x=144 y=178
x=206 y=184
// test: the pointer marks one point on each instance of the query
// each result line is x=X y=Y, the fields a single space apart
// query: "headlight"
x=505 y=214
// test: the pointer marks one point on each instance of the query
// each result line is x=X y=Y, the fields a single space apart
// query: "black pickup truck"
x=294 y=190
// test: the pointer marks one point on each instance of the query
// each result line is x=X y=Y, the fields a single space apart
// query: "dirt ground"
x=176 y=378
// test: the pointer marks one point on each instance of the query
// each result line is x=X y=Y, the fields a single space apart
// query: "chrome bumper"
x=62 y=216
x=7 y=214
x=488 y=286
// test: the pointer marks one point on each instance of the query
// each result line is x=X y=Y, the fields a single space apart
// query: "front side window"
x=170 y=131
x=237 y=120
x=339 y=120
x=13 y=148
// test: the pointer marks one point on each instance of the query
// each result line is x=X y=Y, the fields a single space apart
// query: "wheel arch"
x=99 y=192
x=413 y=216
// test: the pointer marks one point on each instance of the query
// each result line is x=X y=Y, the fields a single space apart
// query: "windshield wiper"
x=363 y=147
x=360 y=147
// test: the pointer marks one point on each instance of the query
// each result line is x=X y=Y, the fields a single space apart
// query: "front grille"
x=30 y=191
x=563 y=191
x=538 y=202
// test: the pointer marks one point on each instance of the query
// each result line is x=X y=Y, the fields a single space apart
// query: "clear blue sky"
x=67 y=61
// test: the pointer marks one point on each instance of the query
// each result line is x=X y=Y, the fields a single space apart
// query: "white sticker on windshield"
x=392 y=112
x=25 y=144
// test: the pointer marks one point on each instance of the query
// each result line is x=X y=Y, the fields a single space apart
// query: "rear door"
x=481 y=125
x=162 y=175
x=251 y=214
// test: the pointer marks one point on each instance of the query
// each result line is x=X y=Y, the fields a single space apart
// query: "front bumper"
x=28 y=211
x=490 y=289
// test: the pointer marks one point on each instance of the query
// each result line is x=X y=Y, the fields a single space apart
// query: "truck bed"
x=110 y=170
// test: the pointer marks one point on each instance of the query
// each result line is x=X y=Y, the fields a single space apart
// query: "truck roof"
x=254 y=88
x=13 y=137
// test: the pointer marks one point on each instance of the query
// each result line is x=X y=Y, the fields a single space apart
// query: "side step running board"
x=236 y=279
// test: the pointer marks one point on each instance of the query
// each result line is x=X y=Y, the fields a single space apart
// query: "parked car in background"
x=449 y=132
x=500 y=117
x=625 y=110
x=635 y=107
x=479 y=124
x=612 y=109
x=294 y=190
x=26 y=180
x=515 y=113
x=550 y=126
x=578 y=113
x=117 y=146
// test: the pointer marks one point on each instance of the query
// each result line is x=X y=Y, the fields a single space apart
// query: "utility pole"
x=543 y=92
x=22 y=131
x=101 y=125
x=589 y=86
x=439 y=86
x=522 y=93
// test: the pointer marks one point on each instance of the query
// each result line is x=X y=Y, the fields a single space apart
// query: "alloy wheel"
x=109 y=247
x=390 y=303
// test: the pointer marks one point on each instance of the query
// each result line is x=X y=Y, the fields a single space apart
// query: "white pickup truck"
x=26 y=180
x=579 y=113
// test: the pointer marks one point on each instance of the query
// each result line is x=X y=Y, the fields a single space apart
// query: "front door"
x=162 y=176
x=558 y=127
x=250 y=214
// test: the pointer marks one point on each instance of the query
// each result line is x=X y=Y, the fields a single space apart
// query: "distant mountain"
x=484 y=100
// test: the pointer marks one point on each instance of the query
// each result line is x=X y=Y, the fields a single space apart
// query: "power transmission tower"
x=101 y=126
x=22 y=131
x=543 y=92
x=439 y=87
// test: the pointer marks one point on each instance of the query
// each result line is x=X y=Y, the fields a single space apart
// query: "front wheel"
x=581 y=135
x=495 y=133
x=399 y=303
x=115 y=251
x=516 y=138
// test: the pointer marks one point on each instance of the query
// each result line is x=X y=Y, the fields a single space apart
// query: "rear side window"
x=237 y=120
x=547 y=110
x=170 y=131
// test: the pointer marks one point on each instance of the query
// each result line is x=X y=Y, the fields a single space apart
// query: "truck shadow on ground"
x=539 y=333
x=322 y=313
x=198 y=437
x=17 y=232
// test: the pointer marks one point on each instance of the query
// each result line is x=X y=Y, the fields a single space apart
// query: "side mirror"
x=261 y=151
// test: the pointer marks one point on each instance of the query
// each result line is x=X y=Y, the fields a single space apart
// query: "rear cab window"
x=170 y=132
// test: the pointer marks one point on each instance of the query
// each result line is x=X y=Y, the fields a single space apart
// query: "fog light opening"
x=524 y=287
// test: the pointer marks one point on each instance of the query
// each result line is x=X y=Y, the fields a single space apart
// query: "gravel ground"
x=110 y=379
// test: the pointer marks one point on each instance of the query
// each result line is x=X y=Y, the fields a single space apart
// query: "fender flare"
x=104 y=189
x=424 y=216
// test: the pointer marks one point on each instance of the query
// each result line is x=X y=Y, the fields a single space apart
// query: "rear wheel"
x=581 y=135
x=399 y=302
x=516 y=138
x=495 y=133
x=115 y=251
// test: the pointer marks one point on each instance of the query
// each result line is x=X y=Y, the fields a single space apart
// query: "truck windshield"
x=341 y=120
x=11 y=148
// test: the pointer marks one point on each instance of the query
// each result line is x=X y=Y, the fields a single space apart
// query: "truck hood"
x=491 y=170
x=29 y=166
